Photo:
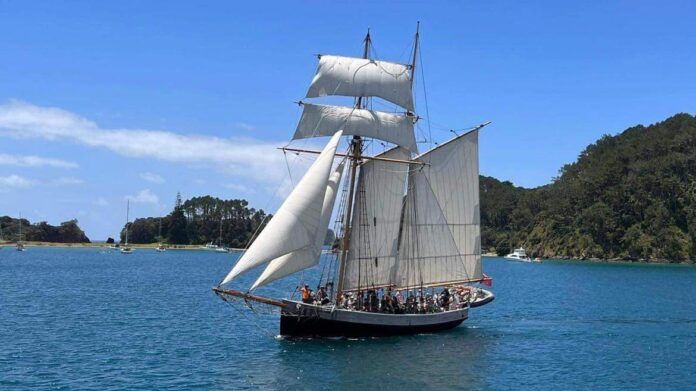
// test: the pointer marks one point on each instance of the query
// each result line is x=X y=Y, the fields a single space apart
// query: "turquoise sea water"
x=91 y=319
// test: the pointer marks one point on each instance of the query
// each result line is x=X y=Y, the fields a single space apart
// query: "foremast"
x=354 y=156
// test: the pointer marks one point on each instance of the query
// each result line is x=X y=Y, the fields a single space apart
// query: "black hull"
x=312 y=326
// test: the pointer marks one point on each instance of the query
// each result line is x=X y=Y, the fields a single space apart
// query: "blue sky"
x=102 y=102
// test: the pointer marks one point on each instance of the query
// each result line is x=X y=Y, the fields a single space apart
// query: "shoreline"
x=105 y=246
x=200 y=247
x=599 y=260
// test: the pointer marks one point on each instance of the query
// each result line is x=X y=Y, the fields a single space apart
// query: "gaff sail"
x=441 y=236
x=373 y=249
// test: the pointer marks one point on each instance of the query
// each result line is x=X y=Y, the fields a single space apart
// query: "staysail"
x=308 y=256
x=373 y=247
x=359 y=77
x=296 y=223
x=441 y=236
x=325 y=120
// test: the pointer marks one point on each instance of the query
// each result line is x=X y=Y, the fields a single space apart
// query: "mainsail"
x=361 y=77
x=376 y=216
x=296 y=223
x=325 y=120
x=307 y=256
x=441 y=236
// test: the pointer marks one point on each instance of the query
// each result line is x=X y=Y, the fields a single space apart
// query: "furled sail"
x=296 y=223
x=323 y=120
x=441 y=236
x=348 y=76
x=379 y=199
x=308 y=256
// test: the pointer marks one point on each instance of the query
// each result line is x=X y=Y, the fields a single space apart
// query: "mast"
x=415 y=53
x=127 y=218
x=356 y=151
x=20 y=228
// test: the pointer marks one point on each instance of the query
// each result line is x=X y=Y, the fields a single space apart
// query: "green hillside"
x=629 y=196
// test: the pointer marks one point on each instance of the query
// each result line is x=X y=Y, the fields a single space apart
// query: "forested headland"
x=631 y=196
x=198 y=221
x=66 y=232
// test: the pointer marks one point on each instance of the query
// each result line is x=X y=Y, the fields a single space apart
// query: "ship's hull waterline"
x=299 y=319
x=305 y=320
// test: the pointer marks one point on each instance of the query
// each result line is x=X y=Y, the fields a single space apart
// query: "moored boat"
x=519 y=255
x=125 y=248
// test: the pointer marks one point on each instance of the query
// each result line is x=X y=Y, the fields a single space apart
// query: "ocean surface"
x=96 y=319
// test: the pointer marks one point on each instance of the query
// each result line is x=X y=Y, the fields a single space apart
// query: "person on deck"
x=306 y=294
x=322 y=298
x=454 y=301
x=399 y=297
x=383 y=304
x=374 y=301
x=444 y=299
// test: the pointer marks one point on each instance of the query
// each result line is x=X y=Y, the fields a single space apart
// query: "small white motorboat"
x=519 y=255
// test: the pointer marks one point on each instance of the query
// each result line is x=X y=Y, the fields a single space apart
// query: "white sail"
x=307 y=256
x=441 y=237
x=323 y=120
x=348 y=76
x=295 y=224
x=375 y=224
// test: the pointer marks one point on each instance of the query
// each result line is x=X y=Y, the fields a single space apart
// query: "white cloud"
x=199 y=181
x=15 y=181
x=239 y=187
x=150 y=177
x=242 y=156
x=245 y=126
x=67 y=181
x=101 y=201
x=144 y=197
x=34 y=161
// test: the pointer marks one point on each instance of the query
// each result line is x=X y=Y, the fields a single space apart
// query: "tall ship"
x=407 y=257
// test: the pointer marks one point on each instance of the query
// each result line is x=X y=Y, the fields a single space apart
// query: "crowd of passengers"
x=393 y=303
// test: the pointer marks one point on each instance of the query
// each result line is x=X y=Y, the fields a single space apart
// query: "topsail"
x=296 y=223
x=325 y=120
x=359 y=77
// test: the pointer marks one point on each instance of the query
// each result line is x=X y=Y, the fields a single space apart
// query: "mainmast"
x=354 y=156
x=415 y=54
